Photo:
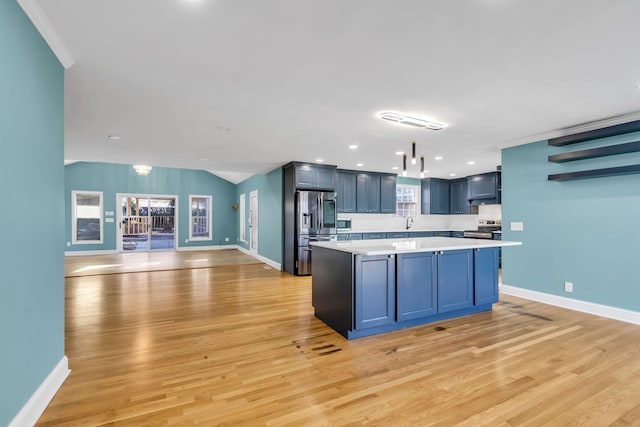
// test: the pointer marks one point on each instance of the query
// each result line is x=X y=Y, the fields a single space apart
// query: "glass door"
x=147 y=223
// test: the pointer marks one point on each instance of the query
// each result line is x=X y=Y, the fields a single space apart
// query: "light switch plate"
x=108 y=220
x=517 y=226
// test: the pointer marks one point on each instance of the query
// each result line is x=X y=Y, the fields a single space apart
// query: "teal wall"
x=32 y=176
x=584 y=231
x=408 y=181
x=111 y=179
x=270 y=212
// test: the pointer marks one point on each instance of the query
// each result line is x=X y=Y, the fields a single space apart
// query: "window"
x=200 y=218
x=407 y=200
x=243 y=219
x=86 y=208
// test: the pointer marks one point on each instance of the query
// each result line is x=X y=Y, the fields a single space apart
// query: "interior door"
x=253 y=223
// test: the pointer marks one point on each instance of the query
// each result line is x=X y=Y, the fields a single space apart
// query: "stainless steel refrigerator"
x=315 y=222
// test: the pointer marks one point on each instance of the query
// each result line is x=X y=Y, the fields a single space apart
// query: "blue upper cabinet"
x=315 y=177
x=368 y=193
x=388 y=194
x=346 y=188
x=435 y=196
x=458 y=202
x=483 y=187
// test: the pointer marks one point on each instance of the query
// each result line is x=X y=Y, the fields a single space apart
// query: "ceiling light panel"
x=410 y=121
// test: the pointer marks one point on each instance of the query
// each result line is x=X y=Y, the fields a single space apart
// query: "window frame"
x=417 y=192
x=74 y=217
x=209 y=217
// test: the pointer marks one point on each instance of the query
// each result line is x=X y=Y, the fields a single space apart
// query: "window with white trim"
x=86 y=225
x=200 y=217
x=243 y=219
x=407 y=200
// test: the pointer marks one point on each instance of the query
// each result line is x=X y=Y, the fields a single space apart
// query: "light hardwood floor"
x=239 y=345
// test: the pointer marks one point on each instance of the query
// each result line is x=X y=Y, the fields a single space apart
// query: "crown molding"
x=44 y=26
x=583 y=127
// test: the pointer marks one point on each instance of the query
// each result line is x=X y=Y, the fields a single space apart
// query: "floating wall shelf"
x=595 y=134
x=610 y=150
x=595 y=173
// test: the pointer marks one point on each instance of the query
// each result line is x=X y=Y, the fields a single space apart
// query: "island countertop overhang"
x=410 y=245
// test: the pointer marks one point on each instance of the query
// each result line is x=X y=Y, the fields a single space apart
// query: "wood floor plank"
x=236 y=343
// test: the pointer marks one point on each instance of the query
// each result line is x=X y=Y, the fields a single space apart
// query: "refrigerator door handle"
x=320 y=212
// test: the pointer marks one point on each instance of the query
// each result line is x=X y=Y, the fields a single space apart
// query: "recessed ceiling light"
x=471 y=162
x=395 y=168
x=353 y=147
x=359 y=165
x=452 y=174
x=319 y=160
x=203 y=159
x=410 y=121
x=438 y=157
x=114 y=137
x=223 y=129
x=399 y=153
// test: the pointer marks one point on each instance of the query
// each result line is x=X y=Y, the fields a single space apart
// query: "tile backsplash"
x=389 y=222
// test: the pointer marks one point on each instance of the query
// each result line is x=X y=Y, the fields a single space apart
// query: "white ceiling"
x=251 y=85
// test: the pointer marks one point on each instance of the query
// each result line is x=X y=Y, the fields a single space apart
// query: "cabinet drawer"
x=397 y=235
x=370 y=236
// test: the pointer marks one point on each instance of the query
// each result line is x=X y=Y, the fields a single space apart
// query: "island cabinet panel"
x=332 y=288
x=455 y=280
x=416 y=285
x=486 y=262
x=374 y=290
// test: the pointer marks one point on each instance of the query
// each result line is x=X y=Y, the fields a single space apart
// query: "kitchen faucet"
x=409 y=222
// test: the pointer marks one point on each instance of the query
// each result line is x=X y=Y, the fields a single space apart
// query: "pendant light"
x=421 y=166
x=413 y=152
x=404 y=165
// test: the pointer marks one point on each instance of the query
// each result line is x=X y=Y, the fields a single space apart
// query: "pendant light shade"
x=404 y=165
x=413 y=152
x=421 y=166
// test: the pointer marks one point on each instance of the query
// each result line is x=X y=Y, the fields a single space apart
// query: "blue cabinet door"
x=325 y=179
x=374 y=193
x=459 y=203
x=421 y=234
x=435 y=196
x=416 y=285
x=346 y=188
x=372 y=236
x=455 y=280
x=375 y=287
x=397 y=235
x=483 y=186
x=388 y=194
x=305 y=177
x=362 y=193
x=486 y=275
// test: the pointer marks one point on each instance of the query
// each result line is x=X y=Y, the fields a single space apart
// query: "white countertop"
x=421 y=244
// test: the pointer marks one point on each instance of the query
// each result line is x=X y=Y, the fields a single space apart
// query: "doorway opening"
x=147 y=223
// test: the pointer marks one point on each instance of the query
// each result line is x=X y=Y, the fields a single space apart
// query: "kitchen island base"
x=358 y=294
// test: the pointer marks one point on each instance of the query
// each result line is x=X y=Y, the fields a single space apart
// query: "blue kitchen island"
x=361 y=288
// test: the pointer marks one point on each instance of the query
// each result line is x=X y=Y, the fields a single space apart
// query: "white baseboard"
x=573 y=304
x=35 y=406
x=267 y=261
x=206 y=248
x=84 y=253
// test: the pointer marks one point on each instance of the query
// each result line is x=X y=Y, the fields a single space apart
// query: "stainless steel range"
x=487 y=229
